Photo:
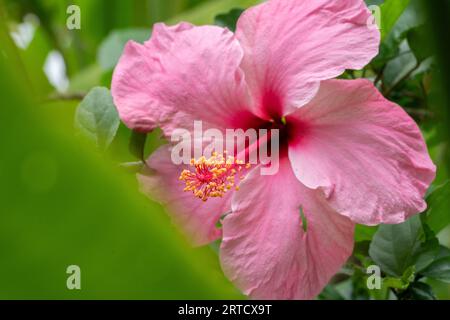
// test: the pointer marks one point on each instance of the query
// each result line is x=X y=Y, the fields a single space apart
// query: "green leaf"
x=373 y=2
x=403 y=282
x=361 y=251
x=391 y=10
x=65 y=204
x=418 y=41
x=86 y=79
x=112 y=47
x=443 y=252
x=205 y=12
x=429 y=246
x=360 y=290
x=389 y=49
x=440 y=268
x=303 y=219
x=97 y=117
x=330 y=293
x=364 y=233
x=395 y=283
x=137 y=144
x=409 y=275
x=425 y=254
x=399 y=67
x=228 y=19
x=382 y=293
x=396 y=247
x=390 y=45
x=438 y=203
x=418 y=291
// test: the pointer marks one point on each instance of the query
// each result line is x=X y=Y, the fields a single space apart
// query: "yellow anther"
x=212 y=177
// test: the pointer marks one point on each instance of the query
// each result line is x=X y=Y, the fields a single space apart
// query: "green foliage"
x=403 y=282
x=390 y=45
x=397 y=247
x=408 y=252
x=330 y=293
x=67 y=203
x=64 y=204
x=364 y=233
x=112 y=46
x=391 y=10
x=440 y=268
x=137 y=144
x=228 y=19
x=207 y=11
x=418 y=291
x=86 y=79
x=97 y=117
x=439 y=202
x=419 y=43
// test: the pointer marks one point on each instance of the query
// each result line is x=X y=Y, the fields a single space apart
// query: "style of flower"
x=347 y=155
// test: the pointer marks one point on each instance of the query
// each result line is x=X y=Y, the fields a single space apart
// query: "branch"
x=406 y=76
x=379 y=76
x=67 y=96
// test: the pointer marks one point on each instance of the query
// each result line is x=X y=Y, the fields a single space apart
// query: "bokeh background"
x=67 y=199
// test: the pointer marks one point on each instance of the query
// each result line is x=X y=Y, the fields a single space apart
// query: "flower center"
x=212 y=177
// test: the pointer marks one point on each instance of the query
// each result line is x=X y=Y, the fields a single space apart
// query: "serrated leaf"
x=112 y=46
x=229 y=19
x=97 y=117
x=396 y=247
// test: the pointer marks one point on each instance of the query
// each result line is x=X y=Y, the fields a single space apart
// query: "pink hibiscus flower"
x=347 y=155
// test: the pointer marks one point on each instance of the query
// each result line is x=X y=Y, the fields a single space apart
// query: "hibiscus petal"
x=183 y=73
x=196 y=218
x=291 y=45
x=365 y=152
x=265 y=251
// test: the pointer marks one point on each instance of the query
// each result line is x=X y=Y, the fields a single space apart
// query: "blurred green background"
x=65 y=201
